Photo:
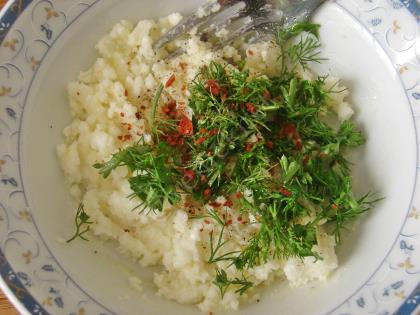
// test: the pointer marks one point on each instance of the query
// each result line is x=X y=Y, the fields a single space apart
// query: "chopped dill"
x=264 y=135
x=82 y=224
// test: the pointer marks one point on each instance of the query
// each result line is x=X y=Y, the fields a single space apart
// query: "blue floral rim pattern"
x=18 y=282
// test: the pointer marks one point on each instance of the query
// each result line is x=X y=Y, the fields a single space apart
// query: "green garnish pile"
x=262 y=144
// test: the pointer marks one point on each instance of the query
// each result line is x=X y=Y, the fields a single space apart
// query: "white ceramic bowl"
x=371 y=45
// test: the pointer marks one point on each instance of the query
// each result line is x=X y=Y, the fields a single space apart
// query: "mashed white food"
x=109 y=105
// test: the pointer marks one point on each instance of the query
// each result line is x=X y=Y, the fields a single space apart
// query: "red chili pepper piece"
x=289 y=130
x=285 y=192
x=207 y=192
x=203 y=179
x=172 y=139
x=185 y=126
x=200 y=140
x=228 y=203
x=238 y=194
x=213 y=132
x=189 y=175
x=213 y=87
x=214 y=204
x=250 y=107
x=269 y=144
x=170 y=81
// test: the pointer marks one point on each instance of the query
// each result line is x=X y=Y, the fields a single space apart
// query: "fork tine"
x=246 y=24
x=241 y=26
x=193 y=20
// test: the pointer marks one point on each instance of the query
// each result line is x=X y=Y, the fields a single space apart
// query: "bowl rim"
x=23 y=305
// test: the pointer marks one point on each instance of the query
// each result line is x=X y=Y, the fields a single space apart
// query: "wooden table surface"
x=5 y=307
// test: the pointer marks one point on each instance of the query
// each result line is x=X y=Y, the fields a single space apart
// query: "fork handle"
x=300 y=10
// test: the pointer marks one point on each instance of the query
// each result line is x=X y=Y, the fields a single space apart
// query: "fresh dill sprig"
x=223 y=283
x=154 y=106
x=82 y=223
x=153 y=180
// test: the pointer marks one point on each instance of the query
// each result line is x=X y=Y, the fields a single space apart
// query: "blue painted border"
x=13 y=281
x=413 y=6
x=12 y=12
x=8 y=16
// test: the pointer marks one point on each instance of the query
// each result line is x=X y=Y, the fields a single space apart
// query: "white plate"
x=370 y=44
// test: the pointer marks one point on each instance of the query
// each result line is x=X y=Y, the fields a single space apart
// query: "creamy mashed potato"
x=110 y=104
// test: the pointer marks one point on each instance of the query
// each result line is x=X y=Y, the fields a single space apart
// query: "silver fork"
x=240 y=18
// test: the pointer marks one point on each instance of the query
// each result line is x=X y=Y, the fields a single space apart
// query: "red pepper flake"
x=120 y=138
x=228 y=203
x=239 y=218
x=206 y=221
x=213 y=87
x=203 y=179
x=203 y=130
x=189 y=175
x=207 y=192
x=266 y=95
x=250 y=107
x=172 y=139
x=238 y=194
x=200 y=140
x=213 y=132
x=285 y=192
x=305 y=160
x=170 y=81
x=298 y=144
x=122 y=114
x=170 y=108
x=334 y=206
x=248 y=147
x=127 y=137
x=214 y=204
x=229 y=222
x=250 y=52
x=185 y=126
x=125 y=93
x=289 y=130
x=138 y=116
x=269 y=144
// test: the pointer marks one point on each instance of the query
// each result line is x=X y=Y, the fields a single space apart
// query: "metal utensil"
x=239 y=18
